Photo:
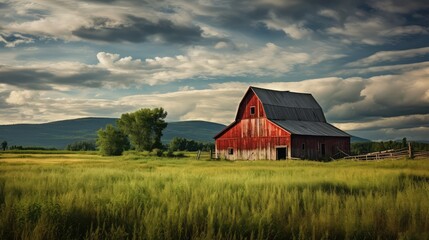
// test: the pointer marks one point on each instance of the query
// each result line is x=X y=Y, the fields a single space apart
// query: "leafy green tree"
x=111 y=141
x=4 y=145
x=144 y=127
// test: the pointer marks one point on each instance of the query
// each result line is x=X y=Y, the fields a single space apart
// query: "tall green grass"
x=89 y=197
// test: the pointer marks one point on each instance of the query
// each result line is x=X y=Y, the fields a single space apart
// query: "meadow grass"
x=80 y=196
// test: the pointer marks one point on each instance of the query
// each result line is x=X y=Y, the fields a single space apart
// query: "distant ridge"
x=59 y=134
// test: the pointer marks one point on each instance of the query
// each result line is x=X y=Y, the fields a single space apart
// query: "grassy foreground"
x=72 y=196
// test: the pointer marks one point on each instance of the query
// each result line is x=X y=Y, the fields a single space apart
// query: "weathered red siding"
x=253 y=136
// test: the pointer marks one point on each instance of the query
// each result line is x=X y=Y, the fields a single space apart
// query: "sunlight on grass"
x=61 y=196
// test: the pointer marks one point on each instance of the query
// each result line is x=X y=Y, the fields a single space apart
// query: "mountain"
x=61 y=133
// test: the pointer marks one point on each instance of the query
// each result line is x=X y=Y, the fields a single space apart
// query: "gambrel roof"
x=285 y=105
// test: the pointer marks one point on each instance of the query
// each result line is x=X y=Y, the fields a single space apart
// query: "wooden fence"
x=392 y=154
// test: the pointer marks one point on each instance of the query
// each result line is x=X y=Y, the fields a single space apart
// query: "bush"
x=82 y=146
x=157 y=152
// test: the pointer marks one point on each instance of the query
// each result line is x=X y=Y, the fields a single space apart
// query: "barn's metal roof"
x=310 y=128
x=282 y=105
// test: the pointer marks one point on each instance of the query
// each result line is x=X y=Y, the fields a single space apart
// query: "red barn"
x=279 y=125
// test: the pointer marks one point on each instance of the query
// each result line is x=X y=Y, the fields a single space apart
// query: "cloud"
x=404 y=30
x=293 y=30
x=192 y=22
x=21 y=97
x=388 y=96
x=112 y=70
x=15 y=39
x=137 y=29
x=203 y=63
x=371 y=29
x=45 y=76
x=398 y=6
x=399 y=122
x=392 y=69
x=389 y=56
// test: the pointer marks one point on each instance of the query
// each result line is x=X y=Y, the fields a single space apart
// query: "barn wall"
x=312 y=148
x=253 y=137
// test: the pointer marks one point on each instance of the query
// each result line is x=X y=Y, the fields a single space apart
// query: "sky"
x=366 y=62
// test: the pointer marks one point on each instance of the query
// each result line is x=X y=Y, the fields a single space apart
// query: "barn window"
x=303 y=146
x=252 y=110
x=230 y=151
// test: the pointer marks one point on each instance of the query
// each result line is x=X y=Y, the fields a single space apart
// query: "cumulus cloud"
x=21 y=97
x=388 y=96
x=271 y=60
x=112 y=70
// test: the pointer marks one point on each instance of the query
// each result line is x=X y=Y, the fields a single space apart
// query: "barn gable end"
x=279 y=124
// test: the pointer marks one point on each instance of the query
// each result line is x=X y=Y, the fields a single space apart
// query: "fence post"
x=410 y=151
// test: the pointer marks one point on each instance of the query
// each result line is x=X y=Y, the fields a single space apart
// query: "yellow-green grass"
x=76 y=196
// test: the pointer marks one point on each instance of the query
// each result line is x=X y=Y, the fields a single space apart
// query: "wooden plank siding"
x=306 y=147
x=253 y=136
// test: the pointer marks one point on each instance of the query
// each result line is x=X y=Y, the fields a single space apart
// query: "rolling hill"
x=61 y=133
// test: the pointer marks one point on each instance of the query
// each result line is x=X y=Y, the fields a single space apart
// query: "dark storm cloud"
x=348 y=21
x=3 y=5
x=39 y=79
x=140 y=29
x=26 y=78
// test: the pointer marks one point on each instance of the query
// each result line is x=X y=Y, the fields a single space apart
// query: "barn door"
x=281 y=153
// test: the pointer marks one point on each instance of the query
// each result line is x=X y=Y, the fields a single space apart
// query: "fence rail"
x=391 y=153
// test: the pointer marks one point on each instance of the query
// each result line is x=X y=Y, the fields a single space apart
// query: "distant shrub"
x=183 y=144
x=82 y=146
x=15 y=147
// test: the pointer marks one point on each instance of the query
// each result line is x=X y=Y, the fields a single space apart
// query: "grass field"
x=85 y=196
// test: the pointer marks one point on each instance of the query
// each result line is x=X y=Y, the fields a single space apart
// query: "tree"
x=144 y=127
x=82 y=146
x=182 y=144
x=111 y=141
x=4 y=145
x=404 y=142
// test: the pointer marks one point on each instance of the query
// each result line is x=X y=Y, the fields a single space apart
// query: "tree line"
x=183 y=144
x=367 y=147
